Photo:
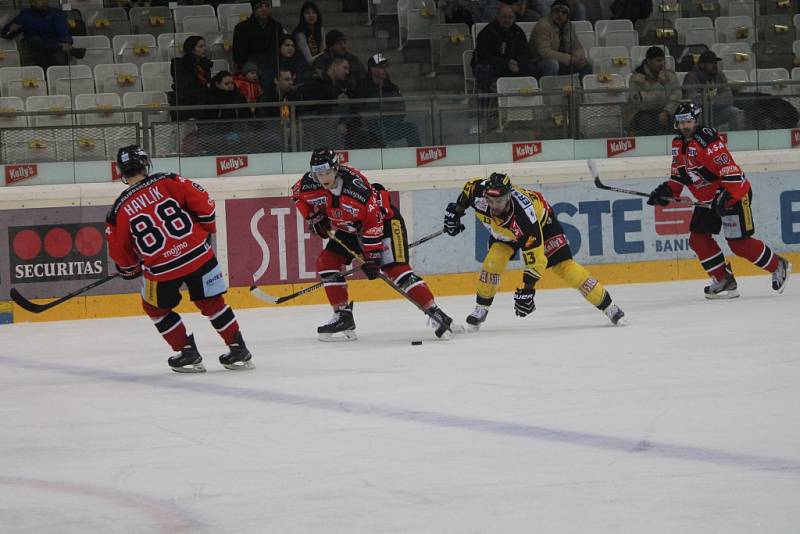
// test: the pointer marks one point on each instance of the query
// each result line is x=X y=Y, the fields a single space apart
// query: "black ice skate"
x=477 y=317
x=781 y=275
x=615 y=315
x=189 y=360
x=442 y=323
x=341 y=327
x=724 y=288
x=238 y=357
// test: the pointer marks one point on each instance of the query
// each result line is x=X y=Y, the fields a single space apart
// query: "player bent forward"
x=702 y=162
x=159 y=226
x=521 y=219
x=339 y=198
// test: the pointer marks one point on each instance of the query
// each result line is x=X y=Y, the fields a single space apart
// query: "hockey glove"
x=130 y=273
x=721 y=202
x=452 y=220
x=320 y=224
x=371 y=268
x=523 y=301
x=661 y=195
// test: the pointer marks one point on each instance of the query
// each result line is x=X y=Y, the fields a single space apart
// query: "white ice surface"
x=685 y=421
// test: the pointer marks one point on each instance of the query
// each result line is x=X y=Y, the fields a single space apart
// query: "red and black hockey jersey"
x=704 y=164
x=351 y=208
x=162 y=222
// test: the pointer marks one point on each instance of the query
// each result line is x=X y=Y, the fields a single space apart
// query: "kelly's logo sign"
x=57 y=252
x=614 y=147
x=18 y=173
x=525 y=150
x=229 y=164
x=429 y=154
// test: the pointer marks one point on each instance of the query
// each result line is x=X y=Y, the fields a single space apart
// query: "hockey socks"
x=756 y=252
x=221 y=316
x=169 y=325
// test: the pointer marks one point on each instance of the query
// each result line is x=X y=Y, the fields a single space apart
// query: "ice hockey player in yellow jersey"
x=521 y=220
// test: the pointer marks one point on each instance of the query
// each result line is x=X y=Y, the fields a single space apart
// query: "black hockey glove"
x=320 y=224
x=523 y=301
x=131 y=273
x=721 y=202
x=452 y=220
x=371 y=268
x=661 y=195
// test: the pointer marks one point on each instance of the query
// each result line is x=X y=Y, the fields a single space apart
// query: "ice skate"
x=616 y=315
x=442 y=323
x=724 y=288
x=341 y=327
x=238 y=357
x=477 y=317
x=189 y=360
x=781 y=275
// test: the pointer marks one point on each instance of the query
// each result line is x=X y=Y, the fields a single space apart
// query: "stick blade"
x=592 y=164
x=26 y=304
x=266 y=297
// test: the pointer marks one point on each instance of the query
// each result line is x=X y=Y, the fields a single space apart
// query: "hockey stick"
x=600 y=185
x=32 y=307
x=258 y=293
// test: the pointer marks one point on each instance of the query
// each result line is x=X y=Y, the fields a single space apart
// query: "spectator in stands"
x=248 y=83
x=377 y=84
x=655 y=93
x=191 y=75
x=521 y=10
x=632 y=10
x=501 y=51
x=223 y=92
x=469 y=11
x=555 y=48
x=308 y=33
x=288 y=59
x=334 y=84
x=45 y=34
x=542 y=9
x=257 y=38
x=282 y=89
x=336 y=46
x=707 y=87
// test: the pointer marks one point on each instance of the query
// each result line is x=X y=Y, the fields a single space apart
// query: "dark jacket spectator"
x=191 y=75
x=282 y=89
x=705 y=84
x=334 y=84
x=501 y=51
x=309 y=33
x=632 y=10
x=223 y=91
x=288 y=59
x=336 y=46
x=468 y=11
x=45 y=33
x=555 y=47
x=257 y=37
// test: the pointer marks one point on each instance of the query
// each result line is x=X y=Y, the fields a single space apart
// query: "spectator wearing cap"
x=191 y=75
x=308 y=34
x=336 y=46
x=45 y=34
x=577 y=11
x=708 y=88
x=555 y=47
x=391 y=124
x=501 y=51
x=257 y=37
x=655 y=93
x=334 y=84
x=248 y=82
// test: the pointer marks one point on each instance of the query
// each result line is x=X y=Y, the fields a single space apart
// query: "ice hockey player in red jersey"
x=702 y=162
x=338 y=198
x=159 y=227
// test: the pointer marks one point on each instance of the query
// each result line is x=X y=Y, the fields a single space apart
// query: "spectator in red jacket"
x=248 y=82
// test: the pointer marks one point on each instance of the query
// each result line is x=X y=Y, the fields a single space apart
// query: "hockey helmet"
x=132 y=160
x=323 y=159
x=686 y=112
x=498 y=185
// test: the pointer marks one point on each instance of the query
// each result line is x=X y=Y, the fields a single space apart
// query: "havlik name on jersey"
x=148 y=197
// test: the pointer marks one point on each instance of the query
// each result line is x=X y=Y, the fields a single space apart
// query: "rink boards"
x=53 y=242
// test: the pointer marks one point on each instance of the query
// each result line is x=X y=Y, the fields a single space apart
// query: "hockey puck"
x=417 y=342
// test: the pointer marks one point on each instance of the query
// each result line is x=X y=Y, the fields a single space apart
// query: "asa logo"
x=614 y=147
x=229 y=164
x=525 y=150
x=18 y=173
x=795 y=137
x=115 y=174
x=430 y=154
x=344 y=156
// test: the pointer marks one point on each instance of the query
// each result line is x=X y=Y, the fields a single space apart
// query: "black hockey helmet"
x=686 y=112
x=323 y=159
x=132 y=160
x=498 y=185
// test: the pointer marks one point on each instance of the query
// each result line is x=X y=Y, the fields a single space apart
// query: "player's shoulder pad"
x=355 y=188
x=706 y=135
